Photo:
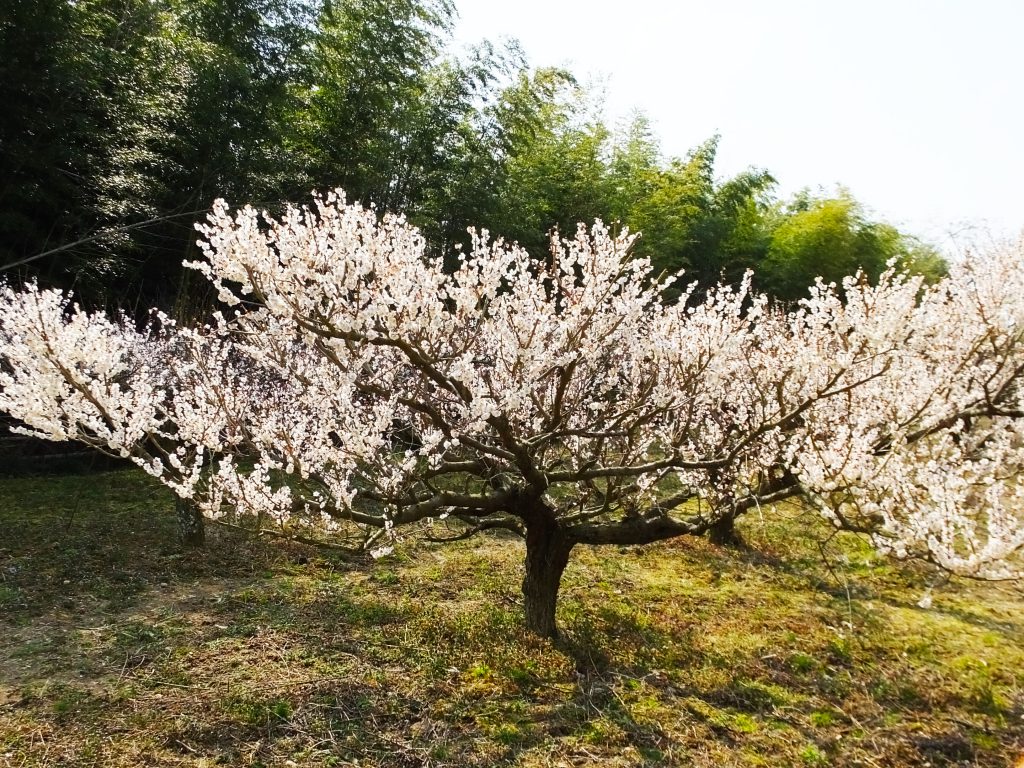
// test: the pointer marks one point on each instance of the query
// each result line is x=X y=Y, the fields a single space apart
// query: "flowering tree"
x=351 y=381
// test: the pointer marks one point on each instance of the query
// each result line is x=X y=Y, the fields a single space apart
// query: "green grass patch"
x=119 y=649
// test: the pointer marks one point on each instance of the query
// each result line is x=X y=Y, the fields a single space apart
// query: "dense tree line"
x=124 y=119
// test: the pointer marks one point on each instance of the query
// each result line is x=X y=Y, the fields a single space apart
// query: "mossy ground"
x=119 y=649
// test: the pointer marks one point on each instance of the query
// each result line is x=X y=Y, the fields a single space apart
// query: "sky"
x=916 y=107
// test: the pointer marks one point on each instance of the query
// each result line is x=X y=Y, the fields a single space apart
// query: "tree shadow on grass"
x=108 y=539
x=616 y=638
x=897 y=585
x=352 y=723
x=269 y=650
x=1008 y=629
x=597 y=714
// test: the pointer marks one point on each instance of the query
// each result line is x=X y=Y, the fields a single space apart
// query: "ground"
x=117 y=649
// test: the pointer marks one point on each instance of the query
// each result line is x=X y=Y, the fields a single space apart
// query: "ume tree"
x=351 y=382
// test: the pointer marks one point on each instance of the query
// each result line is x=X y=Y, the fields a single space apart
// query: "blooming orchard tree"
x=351 y=381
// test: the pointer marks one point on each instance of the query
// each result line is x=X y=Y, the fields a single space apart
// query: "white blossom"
x=352 y=378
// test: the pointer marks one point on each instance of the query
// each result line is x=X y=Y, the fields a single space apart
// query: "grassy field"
x=119 y=649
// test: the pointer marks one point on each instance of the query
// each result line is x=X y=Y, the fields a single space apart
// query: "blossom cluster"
x=350 y=378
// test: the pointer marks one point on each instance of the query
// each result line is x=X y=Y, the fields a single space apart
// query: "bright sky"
x=916 y=106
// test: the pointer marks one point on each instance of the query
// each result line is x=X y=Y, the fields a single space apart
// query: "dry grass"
x=117 y=649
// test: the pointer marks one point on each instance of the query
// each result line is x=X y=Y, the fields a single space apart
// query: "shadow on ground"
x=119 y=649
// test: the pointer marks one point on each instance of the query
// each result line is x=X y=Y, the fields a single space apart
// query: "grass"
x=118 y=649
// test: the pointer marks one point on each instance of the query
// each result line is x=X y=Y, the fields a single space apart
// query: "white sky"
x=916 y=106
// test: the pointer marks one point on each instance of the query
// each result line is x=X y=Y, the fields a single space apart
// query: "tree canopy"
x=351 y=381
x=831 y=238
x=124 y=119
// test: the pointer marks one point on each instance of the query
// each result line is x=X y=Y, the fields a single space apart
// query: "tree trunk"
x=191 y=525
x=724 y=533
x=547 y=553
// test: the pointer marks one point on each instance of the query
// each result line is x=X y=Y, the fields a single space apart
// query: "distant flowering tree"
x=351 y=381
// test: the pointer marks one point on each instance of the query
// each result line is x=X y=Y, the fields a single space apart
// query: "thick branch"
x=638 y=530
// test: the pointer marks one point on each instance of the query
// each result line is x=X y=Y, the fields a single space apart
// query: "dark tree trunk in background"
x=191 y=525
x=547 y=553
x=724 y=533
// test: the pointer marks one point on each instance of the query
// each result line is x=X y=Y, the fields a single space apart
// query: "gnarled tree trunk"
x=547 y=553
x=191 y=525
x=724 y=534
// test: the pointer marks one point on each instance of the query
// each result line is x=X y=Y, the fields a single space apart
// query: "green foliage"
x=556 y=175
x=124 y=119
x=811 y=755
x=692 y=221
x=78 y=83
x=831 y=238
x=233 y=91
x=375 y=88
x=120 y=112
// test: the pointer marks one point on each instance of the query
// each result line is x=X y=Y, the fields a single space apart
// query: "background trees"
x=830 y=238
x=379 y=101
x=81 y=132
x=125 y=118
x=690 y=220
